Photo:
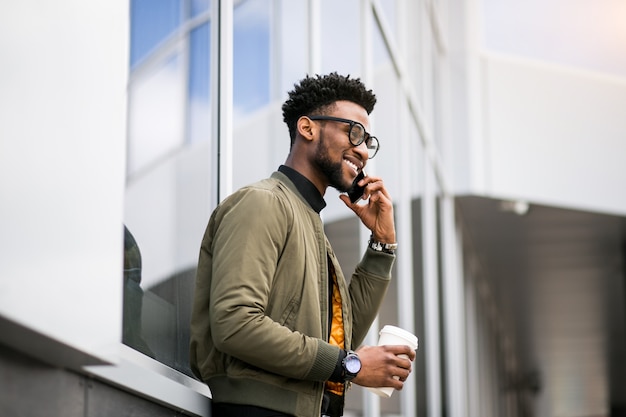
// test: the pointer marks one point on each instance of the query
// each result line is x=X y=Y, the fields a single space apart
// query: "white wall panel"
x=62 y=161
x=555 y=135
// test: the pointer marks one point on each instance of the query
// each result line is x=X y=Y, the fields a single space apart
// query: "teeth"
x=353 y=166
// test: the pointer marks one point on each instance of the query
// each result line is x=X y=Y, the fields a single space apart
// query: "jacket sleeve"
x=250 y=231
x=367 y=290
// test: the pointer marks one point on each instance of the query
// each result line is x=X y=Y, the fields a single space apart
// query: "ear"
x=306 y=128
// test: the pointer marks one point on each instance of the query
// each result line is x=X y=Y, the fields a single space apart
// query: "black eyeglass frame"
x=366 y=135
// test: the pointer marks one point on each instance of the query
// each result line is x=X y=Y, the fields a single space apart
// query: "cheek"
x=338 y=143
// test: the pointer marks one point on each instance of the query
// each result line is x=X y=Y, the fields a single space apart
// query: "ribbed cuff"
x=337 y=375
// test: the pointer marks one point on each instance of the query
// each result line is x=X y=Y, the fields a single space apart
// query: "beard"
x=332 y=170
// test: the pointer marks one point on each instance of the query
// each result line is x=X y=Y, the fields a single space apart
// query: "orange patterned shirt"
x=336 y=329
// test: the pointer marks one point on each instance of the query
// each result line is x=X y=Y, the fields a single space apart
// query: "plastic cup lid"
x=409 y=337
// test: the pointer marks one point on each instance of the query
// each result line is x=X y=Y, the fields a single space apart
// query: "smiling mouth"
x=353 y=166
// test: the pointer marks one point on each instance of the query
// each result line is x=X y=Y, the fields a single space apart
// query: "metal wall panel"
x=30 y=388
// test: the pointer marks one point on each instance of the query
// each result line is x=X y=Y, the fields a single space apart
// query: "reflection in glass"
x=167 y=313
x=252 y=84
x=289 y=58
x=152 y=22
x=199 y=6
x=155 y=115
x=199 y=128
x=381 y=52
x=389 y=9
x=169 y=184
x=132 y=334
x=156 y=317
x=341 y=46
x=251 y=56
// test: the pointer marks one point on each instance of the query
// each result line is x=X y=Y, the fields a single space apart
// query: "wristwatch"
x=351 y=365
x=383 y=247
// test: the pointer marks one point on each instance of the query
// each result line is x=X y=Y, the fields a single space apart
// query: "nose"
x=363 y=152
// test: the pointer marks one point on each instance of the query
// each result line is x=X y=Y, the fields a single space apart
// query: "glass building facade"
x=183 y=157
x=501 y=136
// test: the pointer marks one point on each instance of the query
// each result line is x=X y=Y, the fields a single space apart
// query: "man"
x=274 y=322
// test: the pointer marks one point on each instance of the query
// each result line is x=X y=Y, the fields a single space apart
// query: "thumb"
x=347 y=202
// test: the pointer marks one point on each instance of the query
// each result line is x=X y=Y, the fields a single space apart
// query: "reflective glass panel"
x=381 y=53
x=290 y=58
x=251 y=56
x=255 y=143
x=169 y=186
x=340 y=40
x=155 y=125
x=199 y=6
x=389 y=8
x=199 y=115
x=152 y=21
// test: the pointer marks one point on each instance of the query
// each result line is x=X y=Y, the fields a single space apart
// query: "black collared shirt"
x=309 y=191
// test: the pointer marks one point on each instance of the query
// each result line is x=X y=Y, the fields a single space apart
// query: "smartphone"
x=356 y=192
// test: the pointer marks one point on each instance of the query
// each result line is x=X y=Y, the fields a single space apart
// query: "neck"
x=307 y=171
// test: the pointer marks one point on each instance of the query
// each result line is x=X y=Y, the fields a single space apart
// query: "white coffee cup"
x=392 y=335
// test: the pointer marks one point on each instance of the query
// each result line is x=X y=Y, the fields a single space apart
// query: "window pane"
x=253 y=153
x=155 y=115
x=389 y=8
x=251 y=84
x=151 y=22
x=341 y=46
x=292 y=58
x=199 y=6
x=199 y=85
x=382 y=58
x=169 y=186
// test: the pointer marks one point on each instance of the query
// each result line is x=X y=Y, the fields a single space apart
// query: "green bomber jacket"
x=259 y=326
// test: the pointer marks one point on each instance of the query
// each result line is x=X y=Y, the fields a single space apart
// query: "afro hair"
x=317 y=94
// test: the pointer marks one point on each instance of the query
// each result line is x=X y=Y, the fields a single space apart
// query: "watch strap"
x=382 y=247
x=350 y=356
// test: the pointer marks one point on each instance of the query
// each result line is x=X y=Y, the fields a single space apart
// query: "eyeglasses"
x=357 y=134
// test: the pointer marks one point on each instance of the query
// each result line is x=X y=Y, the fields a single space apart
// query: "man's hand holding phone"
x=356 y=191
x=377 y=214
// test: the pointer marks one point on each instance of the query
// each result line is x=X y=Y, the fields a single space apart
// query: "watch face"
x=353 y=364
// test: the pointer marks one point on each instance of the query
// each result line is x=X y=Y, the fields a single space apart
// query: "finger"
x=384 y=191
x=373 y=196
x=404 y=373
x=346 y=200
x=401 y=350
x=380 y=193
x=370 y=179
x=373 y=186
x=404 y=377
x=376 y=184
x=396 y=383
x=352 y=206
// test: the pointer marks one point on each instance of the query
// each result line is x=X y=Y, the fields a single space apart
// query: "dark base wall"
x=29 y=388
